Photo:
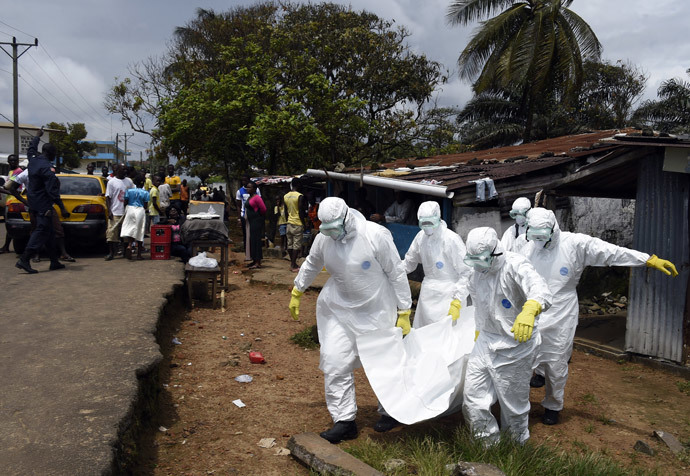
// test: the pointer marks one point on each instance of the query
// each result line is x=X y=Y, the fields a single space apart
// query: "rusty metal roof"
x=572 y=145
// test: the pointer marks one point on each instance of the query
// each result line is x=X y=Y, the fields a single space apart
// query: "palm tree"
x=537 y=46
x=671 y=113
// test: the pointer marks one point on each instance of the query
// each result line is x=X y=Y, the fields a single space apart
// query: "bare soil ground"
x=609 y=405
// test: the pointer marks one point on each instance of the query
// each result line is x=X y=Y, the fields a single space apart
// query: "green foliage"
x=306 y=338
x=281 y=88
x=683 y=386
x=609 y=93
x=428 y=454
x=671 y=112
x=70 y=144
x=534 y=47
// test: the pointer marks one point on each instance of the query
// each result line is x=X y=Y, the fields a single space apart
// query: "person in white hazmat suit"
x=508 y=295
x=440 y=251
x=367 y=290
x=560 y=257
x=518 y=212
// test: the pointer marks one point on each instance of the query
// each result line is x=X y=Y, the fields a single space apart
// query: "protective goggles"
x=482 y=260
x=539 y=234
x=515 y=213
x=333 y=229
x=429 y=222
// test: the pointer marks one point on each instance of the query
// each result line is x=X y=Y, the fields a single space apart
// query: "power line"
x=4 y=70
x=70 y=82
x=47 y=91
x=17 y=29
x=87 y=114
x=43 y=97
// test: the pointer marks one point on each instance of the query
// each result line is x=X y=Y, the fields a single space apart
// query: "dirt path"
x=609 y=406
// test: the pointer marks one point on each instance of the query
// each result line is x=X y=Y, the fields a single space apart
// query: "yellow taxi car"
x=83 y=197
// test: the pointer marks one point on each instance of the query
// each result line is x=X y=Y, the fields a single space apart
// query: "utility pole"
x=126 y=135
x=117 y=148
x=15 y=83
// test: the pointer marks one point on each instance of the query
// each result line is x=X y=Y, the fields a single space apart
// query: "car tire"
x=20 y=245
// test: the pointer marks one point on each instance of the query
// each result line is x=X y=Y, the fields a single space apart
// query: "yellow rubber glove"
x=476 y=334
x=662 y=265
x=454 y=309
x=294 y=303
x=403 y=321
x=524 y=322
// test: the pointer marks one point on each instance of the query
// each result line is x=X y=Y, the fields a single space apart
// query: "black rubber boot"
x=537 y=381
x=385 y=424
x=550 y=417
x=342 y=430
x=25 y=264
x=56 y=265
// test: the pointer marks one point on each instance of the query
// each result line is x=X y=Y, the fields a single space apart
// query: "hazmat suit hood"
x=542 y=218
x=332 y=209
x=521 y=205
x=431 y=210
x=482 y=239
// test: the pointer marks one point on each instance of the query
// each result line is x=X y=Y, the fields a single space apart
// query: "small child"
x=134 y=221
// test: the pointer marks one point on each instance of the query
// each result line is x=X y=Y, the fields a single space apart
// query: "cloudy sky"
x=84 y=45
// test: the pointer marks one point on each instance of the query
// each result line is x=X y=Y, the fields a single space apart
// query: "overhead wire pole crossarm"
x=15 y=86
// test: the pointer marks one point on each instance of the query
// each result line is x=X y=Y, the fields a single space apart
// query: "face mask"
x=520 y=220
x=482 y=261
x=334 y=229
x=539 y=234
x=429 y=224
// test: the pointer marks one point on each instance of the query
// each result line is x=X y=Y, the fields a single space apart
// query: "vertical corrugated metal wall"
x=657 y=301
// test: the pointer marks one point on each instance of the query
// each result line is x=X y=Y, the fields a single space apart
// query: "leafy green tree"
x=285 y=88
x=608 y=94
x=671 y=112
x=536 y=47
x=70 y=143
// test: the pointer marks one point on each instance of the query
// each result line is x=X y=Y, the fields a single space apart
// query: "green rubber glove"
x=662 y=265
x=524 y=322
x=454 y=309
x=403 y=321
x=294 y=303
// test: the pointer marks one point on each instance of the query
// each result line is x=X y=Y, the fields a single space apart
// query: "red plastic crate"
x=161 y=234
x=160 y=250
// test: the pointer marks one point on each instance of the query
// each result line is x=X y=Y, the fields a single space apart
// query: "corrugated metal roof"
x=565 y=145
x=460 y=176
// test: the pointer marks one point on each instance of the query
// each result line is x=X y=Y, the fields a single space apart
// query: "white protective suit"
x=499 y=367
x=561 y=262
x=510 y=237
x=367 y=286
x=441 y=255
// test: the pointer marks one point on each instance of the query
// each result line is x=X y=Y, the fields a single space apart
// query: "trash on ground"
x=256 y=358
x=176 y=341
x=238 y=403
x=244 y=378
x=162 y=428
x=282 y=452
x=267 y=442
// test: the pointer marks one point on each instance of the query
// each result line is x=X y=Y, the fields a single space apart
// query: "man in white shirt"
x=115 y=199
x=400 y=211
x=164 y=194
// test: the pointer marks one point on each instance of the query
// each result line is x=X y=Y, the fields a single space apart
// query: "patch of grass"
x=589 y=428
x=589 y=398
x=604 y=419
x=305 y=338
x=683 y=386
x=428 y=454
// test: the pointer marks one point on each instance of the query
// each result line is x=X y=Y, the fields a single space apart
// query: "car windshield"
x=79 y=186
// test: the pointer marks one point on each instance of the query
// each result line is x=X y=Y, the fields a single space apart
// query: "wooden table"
x=194 y=273
x=222 y=263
